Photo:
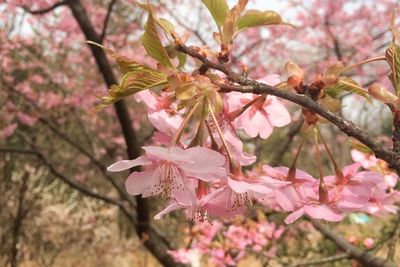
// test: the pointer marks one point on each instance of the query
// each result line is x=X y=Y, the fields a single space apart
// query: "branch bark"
x=154 y=243
x=364 y=257
x=106 y=20
x=322 y=261
x=45 y=10
x=247 y=85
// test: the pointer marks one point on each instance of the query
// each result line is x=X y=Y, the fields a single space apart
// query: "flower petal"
x=137 y=181
x=173 y=206
x=292 y=217
x=123 y=165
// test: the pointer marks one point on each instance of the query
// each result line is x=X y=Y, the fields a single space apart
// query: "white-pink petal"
x=127 y=164
x=294 y=216
x=137 y=182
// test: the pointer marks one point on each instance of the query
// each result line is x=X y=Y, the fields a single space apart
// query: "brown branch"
x=364 y=257
x=34 y=151
x=335 y=41
x=322 y=261
x=18 y=221
x=75 y=145
x=393 y=239
x=17 y=150
x=348 y=127
x=155 y=244
x=45 y=10
x=107 y=18
x=250 y=86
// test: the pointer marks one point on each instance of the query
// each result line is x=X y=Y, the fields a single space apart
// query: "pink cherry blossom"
x=261 y=117
x=315 y=210
x=353 y=189
x=234 y=195
x=368 y=243
x=26 y=119
x=162 y=114
x=366 y=161
x=381 y=202
x=169 y=171
x=289 y=192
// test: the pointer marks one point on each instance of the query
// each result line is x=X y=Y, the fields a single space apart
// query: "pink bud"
x=380 y=93
x=369 y=242
x=352 y=239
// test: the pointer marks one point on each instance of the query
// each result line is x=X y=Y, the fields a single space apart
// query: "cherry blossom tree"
x=209 y=95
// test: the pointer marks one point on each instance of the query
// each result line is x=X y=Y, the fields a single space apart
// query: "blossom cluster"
x=199 y=169
x=225 y=244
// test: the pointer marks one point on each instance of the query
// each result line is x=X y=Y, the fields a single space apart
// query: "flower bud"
x=369 y=243
x=295 y=73
x=332 y=74
x=380 y=93
x=294 y=81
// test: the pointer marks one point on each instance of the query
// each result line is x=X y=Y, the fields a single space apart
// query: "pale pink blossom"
x=161 y=112
x=27 y=119
x=381 y=202
x=289 y=191
x=352 y=189
x=366 y=160
x=261 y=117
x=169 y=171
x=368 y=243
x=8 y=131
x=236 y=193
x=315 y=210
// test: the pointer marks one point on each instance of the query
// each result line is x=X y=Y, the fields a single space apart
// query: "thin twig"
x=250 y=86
x=360 y=255
x=45 y=10
x=322 y=261
x=106 y=20
x=393 y=239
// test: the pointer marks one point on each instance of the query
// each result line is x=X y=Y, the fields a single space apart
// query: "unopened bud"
x=293 y=69
x=380 y=93
x=330 y=79
x=294 y=81
x=332 y=74
x=323 y=195
x=330 y=103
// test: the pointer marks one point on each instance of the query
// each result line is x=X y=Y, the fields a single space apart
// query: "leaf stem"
x=179 y=132
x=225 y=145
x=363 y=62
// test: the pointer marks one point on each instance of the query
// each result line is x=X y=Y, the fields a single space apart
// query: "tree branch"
x=322 y=261
x=154 y=244
x=75 y=145
x=250 y=86
x=45 y=10
x=107 y=18
x=394 y=238
x=364 y=257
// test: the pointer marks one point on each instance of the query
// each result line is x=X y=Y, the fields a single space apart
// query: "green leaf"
x=134 y=82
x=181 y=59
x=218 y=9
x=346 y=84
x=254 y=18
x=393 y=58
x=152 y=43
x=125 y=64
x=167 y=26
